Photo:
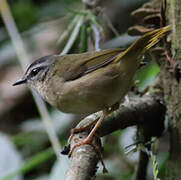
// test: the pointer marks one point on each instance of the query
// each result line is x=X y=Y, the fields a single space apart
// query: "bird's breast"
x=90 y=93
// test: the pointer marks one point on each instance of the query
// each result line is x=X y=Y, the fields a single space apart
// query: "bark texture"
x=172 y=91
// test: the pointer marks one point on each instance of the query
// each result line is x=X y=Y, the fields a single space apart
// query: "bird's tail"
x=139 y=47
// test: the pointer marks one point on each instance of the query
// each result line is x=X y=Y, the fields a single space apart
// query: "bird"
x=89 y=82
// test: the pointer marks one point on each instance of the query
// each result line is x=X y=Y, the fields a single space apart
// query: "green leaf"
x=83 y=38
x=68 y=30
x=155 y=168
x=73 y=36
x=146 y=75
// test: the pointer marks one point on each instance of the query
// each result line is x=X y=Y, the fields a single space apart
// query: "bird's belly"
x=88 y=99
x=80 y=107
x=94 y=91
x=86 y=103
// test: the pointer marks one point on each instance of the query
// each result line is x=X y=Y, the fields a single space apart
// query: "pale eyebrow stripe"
x=37 y=62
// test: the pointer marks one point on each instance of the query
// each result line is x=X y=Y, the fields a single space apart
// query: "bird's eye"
x=35 y=71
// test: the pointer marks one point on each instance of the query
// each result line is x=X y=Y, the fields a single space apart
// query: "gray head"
x=37 y=71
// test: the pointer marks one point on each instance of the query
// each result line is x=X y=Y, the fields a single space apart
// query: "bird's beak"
x=20 y=81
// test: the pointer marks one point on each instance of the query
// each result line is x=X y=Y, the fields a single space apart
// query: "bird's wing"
x=91 y=62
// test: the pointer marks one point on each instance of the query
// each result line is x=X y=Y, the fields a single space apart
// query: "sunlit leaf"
x=146 y=75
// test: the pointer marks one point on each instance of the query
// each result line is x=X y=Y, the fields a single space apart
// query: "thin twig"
x=73 y=36
x=97 y=37
x=83 y=38
x=66 y=33
x=24 y=60
x=109 y=23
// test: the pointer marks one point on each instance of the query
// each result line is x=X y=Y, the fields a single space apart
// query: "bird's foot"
x=96 y=148
x=81 y=129
x=85 y=141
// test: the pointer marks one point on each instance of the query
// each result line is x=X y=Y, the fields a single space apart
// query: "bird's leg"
x=88 y=140
x=89 y=126
x=81 y=129
x=99 y=121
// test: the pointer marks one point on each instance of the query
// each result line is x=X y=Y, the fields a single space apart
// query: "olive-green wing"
x=90 y=62
x=101 y=60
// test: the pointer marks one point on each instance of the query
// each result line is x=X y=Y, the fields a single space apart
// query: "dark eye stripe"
x=38 y=63
x=35 y=71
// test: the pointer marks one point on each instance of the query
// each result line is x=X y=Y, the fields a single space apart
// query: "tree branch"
x=147 y=111
x=84 y=159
